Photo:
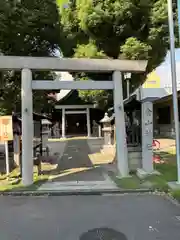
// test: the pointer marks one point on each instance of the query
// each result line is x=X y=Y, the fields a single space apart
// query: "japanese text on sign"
x=6 y=129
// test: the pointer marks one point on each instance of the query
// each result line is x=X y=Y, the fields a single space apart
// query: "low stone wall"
x=134 y=153
x=166 y=130
x=57 y=148
x=95 y=144
x=98 y=154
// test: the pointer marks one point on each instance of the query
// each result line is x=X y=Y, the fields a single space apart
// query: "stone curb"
x=75 y=193
x=172 y=200
x=90 y=193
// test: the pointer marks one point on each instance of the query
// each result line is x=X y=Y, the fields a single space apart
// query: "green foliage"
x=88 y=51
x=110 y=23
x=131 y=29
x=134 y=49
x=100 y=97
x=28 y=28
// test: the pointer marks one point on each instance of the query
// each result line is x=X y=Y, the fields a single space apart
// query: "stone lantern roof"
x=106 y=119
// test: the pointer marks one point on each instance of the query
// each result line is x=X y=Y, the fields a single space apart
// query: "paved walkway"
x=128 y=217
x=75 y=159
x=75 y=170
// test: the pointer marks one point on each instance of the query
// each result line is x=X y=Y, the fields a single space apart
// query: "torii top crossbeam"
x=73 y=64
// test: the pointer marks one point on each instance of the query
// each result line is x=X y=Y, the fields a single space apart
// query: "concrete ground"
x=76 y=157
x=80 y=165
x=166 y=143
x=126 y=217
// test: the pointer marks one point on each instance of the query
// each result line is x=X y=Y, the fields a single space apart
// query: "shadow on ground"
x=70 y=163
x=76 y=163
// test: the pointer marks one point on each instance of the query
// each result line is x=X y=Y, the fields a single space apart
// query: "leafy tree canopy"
x=131 y=29
x=28 y=28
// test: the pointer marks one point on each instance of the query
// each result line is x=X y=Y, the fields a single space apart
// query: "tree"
x=28 y=28
x=131 y=29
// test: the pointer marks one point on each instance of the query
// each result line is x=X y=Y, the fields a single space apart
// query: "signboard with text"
x=147 y=136
x=6 y=128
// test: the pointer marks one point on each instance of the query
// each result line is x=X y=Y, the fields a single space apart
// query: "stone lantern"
x=107 y=130
x=45 y=133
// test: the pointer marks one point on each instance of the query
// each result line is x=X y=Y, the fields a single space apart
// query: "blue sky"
x=164 y=70
x=178 y=54
x=167 y=59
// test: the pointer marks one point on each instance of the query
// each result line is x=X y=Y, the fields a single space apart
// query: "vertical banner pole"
x=174 y=84
x=178 y=6
x=7 y=158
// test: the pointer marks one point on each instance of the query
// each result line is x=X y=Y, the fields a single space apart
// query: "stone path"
x=76 y=171
x=75 y=159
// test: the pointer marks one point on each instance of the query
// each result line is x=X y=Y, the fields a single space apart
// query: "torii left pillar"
x=27 y=127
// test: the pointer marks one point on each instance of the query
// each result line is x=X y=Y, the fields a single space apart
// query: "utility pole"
x=174 y=84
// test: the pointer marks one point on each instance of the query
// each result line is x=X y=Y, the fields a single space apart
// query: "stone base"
x=134 y=155
x=141 y=173
x=120 y=177
x=108 y=149
x=174 y=185
x=134 y=158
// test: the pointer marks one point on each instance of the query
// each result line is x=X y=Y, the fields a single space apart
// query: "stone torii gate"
x=27 y=64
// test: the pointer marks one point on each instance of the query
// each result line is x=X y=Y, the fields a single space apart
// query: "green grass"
x=168 y=171
x=14 y=183
x=158 y=183
x=176 y=194
x=132 y=182
x=18 y=186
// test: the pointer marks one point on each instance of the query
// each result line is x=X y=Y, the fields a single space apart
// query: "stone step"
x=78 y=185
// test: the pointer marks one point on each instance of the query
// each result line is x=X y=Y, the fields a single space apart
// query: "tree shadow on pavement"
x=77 y=163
